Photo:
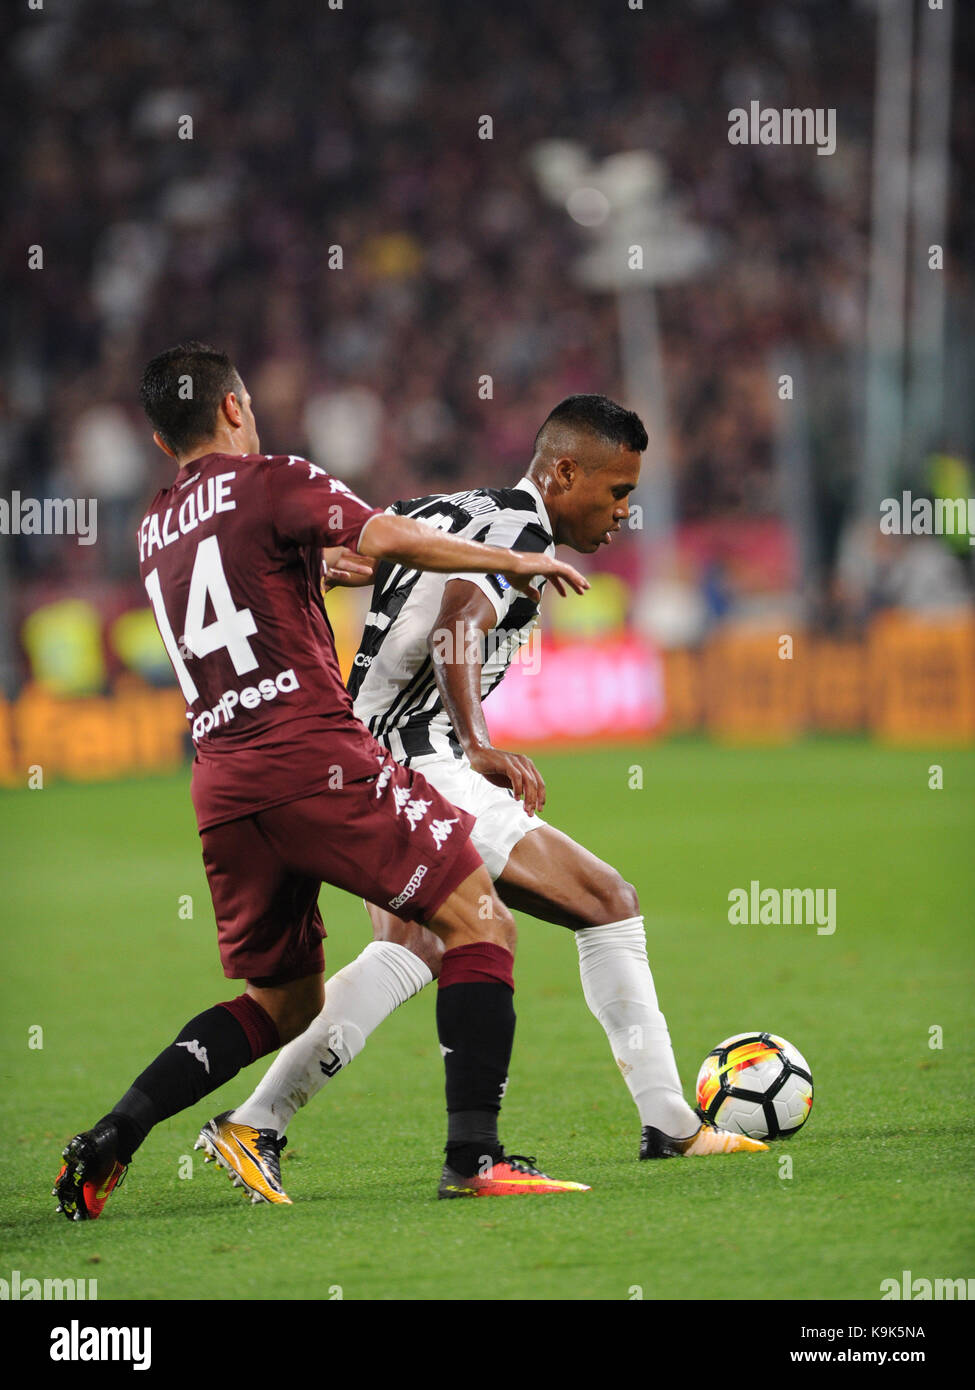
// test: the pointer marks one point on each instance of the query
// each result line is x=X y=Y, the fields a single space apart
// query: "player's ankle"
x=469 y=1159
x=472 y=1141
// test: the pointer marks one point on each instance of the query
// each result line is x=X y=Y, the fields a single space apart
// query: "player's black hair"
x=601 y=416
x=181 y=392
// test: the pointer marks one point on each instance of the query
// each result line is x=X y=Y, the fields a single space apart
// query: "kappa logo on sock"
x=200 y=1053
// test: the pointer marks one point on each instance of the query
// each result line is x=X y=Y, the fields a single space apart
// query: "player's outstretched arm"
x=456 y=645
x=409 y=542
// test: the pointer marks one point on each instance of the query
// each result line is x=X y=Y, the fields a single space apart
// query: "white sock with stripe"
x=619 y=990
x=357 y=999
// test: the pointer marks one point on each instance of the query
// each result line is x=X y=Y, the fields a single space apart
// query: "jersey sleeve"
x=512 y=533
x=312 y=508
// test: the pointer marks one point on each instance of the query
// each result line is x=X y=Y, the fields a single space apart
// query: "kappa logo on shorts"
x=411 y=887
x=382 y=781
x=441 y=829
x=414 y=808
x=415 y=811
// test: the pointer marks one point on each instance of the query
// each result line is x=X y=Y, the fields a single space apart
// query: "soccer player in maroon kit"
x=289 y=788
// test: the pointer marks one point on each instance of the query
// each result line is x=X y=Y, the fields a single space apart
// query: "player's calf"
x=208 y=1052
x=476 y=1026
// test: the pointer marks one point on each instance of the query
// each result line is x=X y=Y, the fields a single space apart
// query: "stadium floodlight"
x=884 y=385
x=930 y=173
x=625 y=202
x=641 y=238
x=559 y=167
x=908 y=224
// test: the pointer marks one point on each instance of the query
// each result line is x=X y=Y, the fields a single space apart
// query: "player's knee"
x=496 y=924
x=429 y=949
x=475 y=914
x=297 y=1023
x=628 y=899
x=299 y=1015
x=614 y=900
x=424 y=944
x=509 y=938
x=293 y=1007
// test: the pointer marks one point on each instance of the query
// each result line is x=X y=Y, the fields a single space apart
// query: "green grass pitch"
x=97 y=954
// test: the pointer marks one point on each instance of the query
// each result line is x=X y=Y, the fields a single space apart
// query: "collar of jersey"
x=526 y=485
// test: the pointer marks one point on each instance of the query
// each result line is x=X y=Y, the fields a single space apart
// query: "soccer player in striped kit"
x=433 y=648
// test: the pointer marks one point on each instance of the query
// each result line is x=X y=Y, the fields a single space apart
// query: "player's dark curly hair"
x=181 y=392
x=600 y=416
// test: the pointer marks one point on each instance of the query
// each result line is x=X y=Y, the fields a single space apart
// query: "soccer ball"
x=755 y=1084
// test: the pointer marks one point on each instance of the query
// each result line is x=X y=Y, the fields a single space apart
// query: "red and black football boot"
x=90 y=1174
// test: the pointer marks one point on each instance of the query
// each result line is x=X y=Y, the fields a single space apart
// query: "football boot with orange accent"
x=511 y=1175
x=252 y=1157
x=708 y=1140
x=90 y=1174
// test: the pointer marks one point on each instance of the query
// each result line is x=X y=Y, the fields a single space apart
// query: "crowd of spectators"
x=315 y=126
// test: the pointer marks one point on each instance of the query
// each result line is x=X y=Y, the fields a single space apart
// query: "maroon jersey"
x=230 y=557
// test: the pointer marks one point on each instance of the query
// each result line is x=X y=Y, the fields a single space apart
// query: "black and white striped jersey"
x=392 y=683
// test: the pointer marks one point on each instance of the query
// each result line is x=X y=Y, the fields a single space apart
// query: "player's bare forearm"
x=456 y=646
x=344 y=568
x=409 y=542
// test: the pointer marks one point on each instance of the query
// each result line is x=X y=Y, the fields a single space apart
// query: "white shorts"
x=501 y=820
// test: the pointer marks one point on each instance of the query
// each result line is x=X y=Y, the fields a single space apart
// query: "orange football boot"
x=512 y=1175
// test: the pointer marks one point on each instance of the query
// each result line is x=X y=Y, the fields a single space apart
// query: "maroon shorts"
x=392 y=839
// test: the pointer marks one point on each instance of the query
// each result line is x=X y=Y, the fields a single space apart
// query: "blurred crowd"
x=189 y=170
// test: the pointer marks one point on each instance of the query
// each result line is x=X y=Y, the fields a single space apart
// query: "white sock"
x=619 y=990
x=357 y=1000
